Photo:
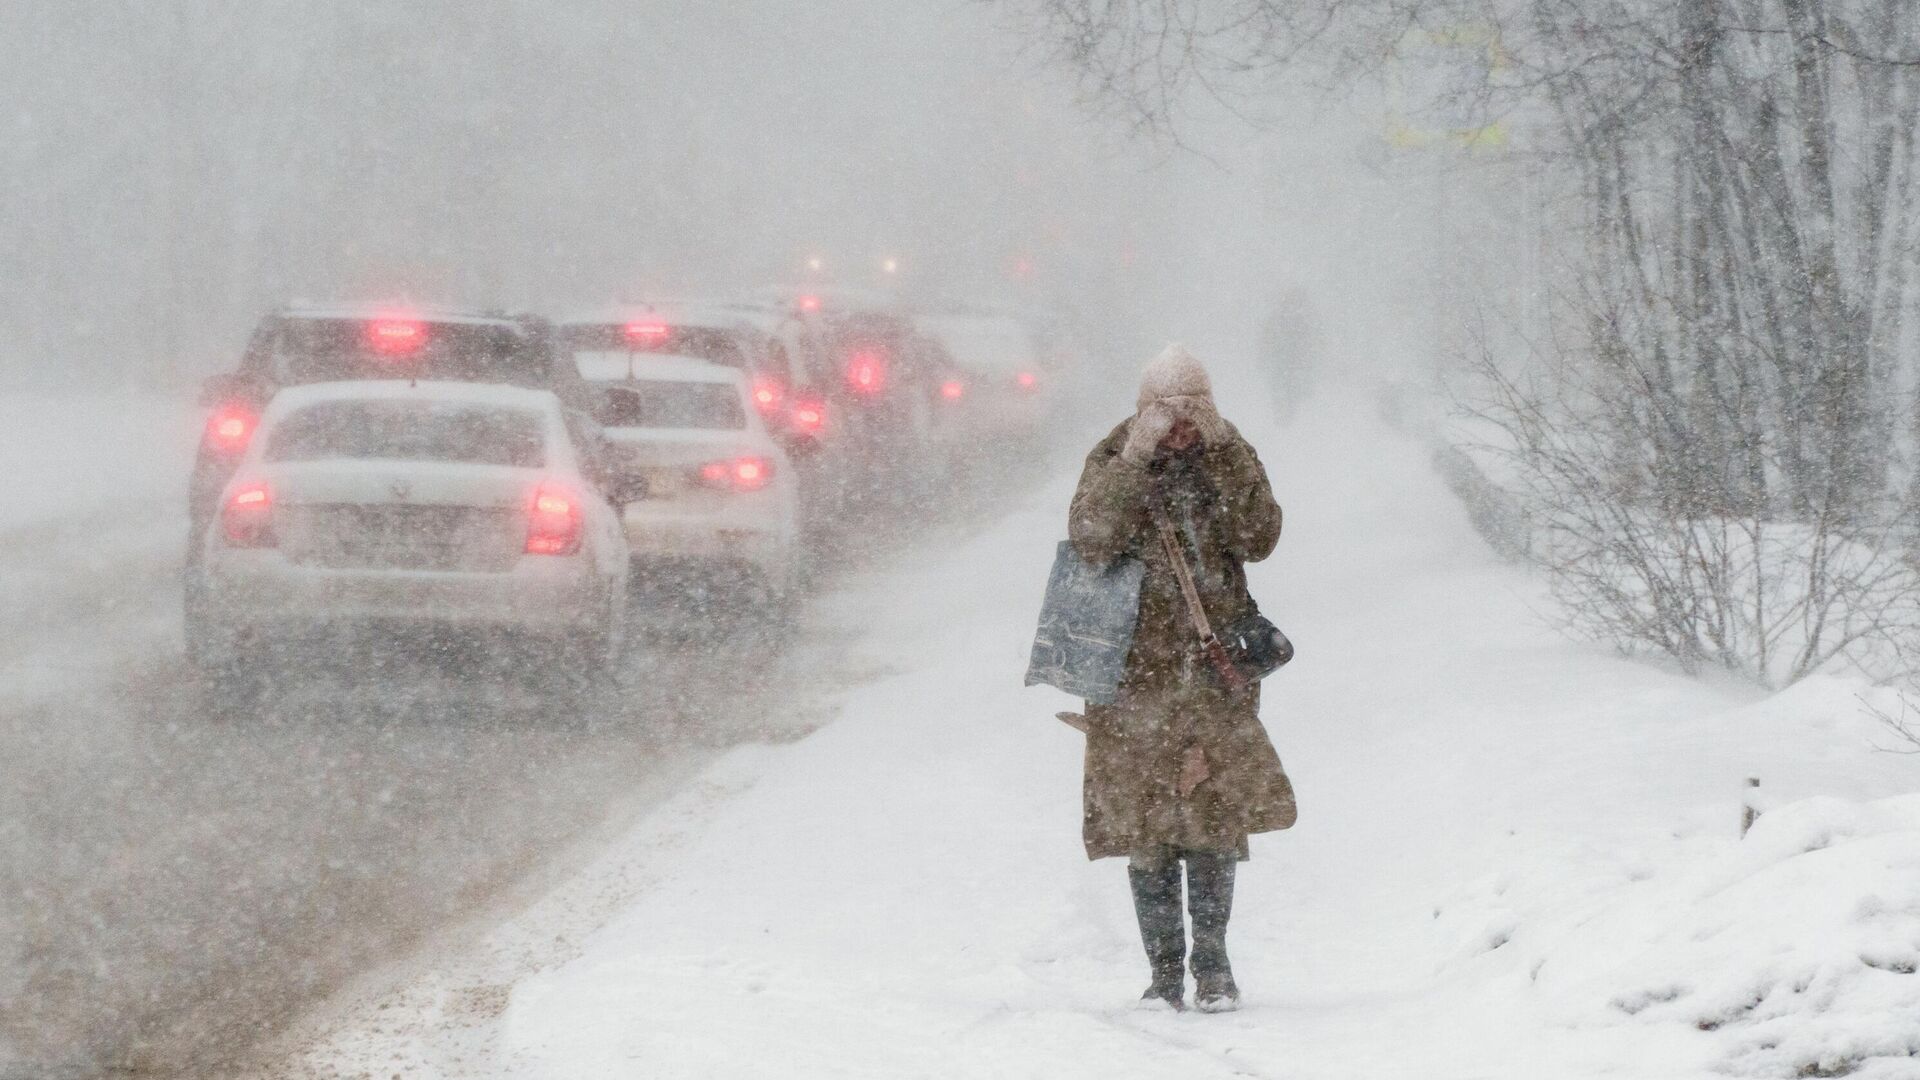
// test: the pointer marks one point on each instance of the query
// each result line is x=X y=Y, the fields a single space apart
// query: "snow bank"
x=1797 y=947
x=1790 y=953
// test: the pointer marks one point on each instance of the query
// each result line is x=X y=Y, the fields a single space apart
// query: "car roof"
x=712 y=314
x=425 y=313
x=618 y=366
x=495 y=394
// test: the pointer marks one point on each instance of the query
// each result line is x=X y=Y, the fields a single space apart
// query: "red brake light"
x=767 y=393
x=953 y=389
x=740 y=474
x=809 y=417
x=808 y=303
x=646 y=333
x=1025 y=379
x=230 y=428
x=247 y=519
x=396 y=335
x=554 y=521
x=867 y=371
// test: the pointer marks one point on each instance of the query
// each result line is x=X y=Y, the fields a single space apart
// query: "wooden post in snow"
x=1749 y=813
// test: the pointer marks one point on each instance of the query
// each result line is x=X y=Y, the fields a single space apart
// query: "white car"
x=414 y=506
x=711 y=489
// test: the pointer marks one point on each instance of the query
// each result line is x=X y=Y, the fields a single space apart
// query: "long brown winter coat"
x=1220 y=500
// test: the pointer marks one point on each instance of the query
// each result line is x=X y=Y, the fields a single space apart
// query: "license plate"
x=664 y=483
x=403 y=537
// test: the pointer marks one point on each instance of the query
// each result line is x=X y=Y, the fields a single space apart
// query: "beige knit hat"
x=1175 y=373
x=1176 y=382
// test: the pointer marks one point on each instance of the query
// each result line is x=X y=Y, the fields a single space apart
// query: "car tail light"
x=230 y=427
x=646 y=333
x=554 y=521
x=1026 y=380
x=867 y=372
x=247 y=518
x=739 y=474
x=768 y=394
x=809 y=416
x=808 y=302
x=953 y=389
x=396 y=335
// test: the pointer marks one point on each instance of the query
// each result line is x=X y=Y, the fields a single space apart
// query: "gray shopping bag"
x=1086 y=625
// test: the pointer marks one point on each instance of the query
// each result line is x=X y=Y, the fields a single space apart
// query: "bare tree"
x=1903 y=724
x=1743 y=309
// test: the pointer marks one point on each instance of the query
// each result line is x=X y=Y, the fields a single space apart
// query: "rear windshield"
x=410 y=431
x=717 y=346
x=333 y=350
x=656 y=404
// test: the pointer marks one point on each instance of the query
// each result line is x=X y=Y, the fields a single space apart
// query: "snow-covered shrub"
x=1767 y=593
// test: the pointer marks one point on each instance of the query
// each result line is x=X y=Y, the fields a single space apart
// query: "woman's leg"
x=1210 y=901
x=1155 y=876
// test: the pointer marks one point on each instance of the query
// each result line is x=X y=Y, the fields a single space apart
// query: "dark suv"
x=299 y=345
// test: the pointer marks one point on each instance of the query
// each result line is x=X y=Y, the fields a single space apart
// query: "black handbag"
x=1256 y=646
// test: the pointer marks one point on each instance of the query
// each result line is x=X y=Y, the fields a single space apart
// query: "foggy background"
x=173 y=169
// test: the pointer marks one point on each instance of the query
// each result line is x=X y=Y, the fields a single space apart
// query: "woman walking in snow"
x=1178 y=768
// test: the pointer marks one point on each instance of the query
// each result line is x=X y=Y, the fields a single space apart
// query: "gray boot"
x=1163 y=928
x=1210 y=899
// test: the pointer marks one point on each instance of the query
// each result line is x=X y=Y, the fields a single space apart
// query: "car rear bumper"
x=660 y=535
x=263 y=591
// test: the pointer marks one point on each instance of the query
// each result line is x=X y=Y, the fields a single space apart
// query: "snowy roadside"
x=75 y=455
x=1518 y=857
x=94 y=490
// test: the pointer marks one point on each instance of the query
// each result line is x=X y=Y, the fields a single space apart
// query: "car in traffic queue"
x=879 y=382
x=305 y=344
x=707 y=490
x=741 y=336
x=995 y=381
x=428 y=508
x=857 y=354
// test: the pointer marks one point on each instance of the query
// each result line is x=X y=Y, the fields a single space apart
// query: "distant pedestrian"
x=1178 y=768
x=1290 y=351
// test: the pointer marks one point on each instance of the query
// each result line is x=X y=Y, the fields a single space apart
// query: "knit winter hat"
x=1175 y=373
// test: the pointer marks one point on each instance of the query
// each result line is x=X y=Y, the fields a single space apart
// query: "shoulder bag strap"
x=1216 y=653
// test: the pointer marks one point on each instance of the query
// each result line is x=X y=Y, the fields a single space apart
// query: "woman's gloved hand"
x=1150 y=425
x=1206 y=419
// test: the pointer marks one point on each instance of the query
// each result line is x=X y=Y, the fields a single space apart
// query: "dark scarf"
x=1186 y=494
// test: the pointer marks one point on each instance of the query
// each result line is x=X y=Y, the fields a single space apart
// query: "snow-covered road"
x=176 y=888
x=1518 y=857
